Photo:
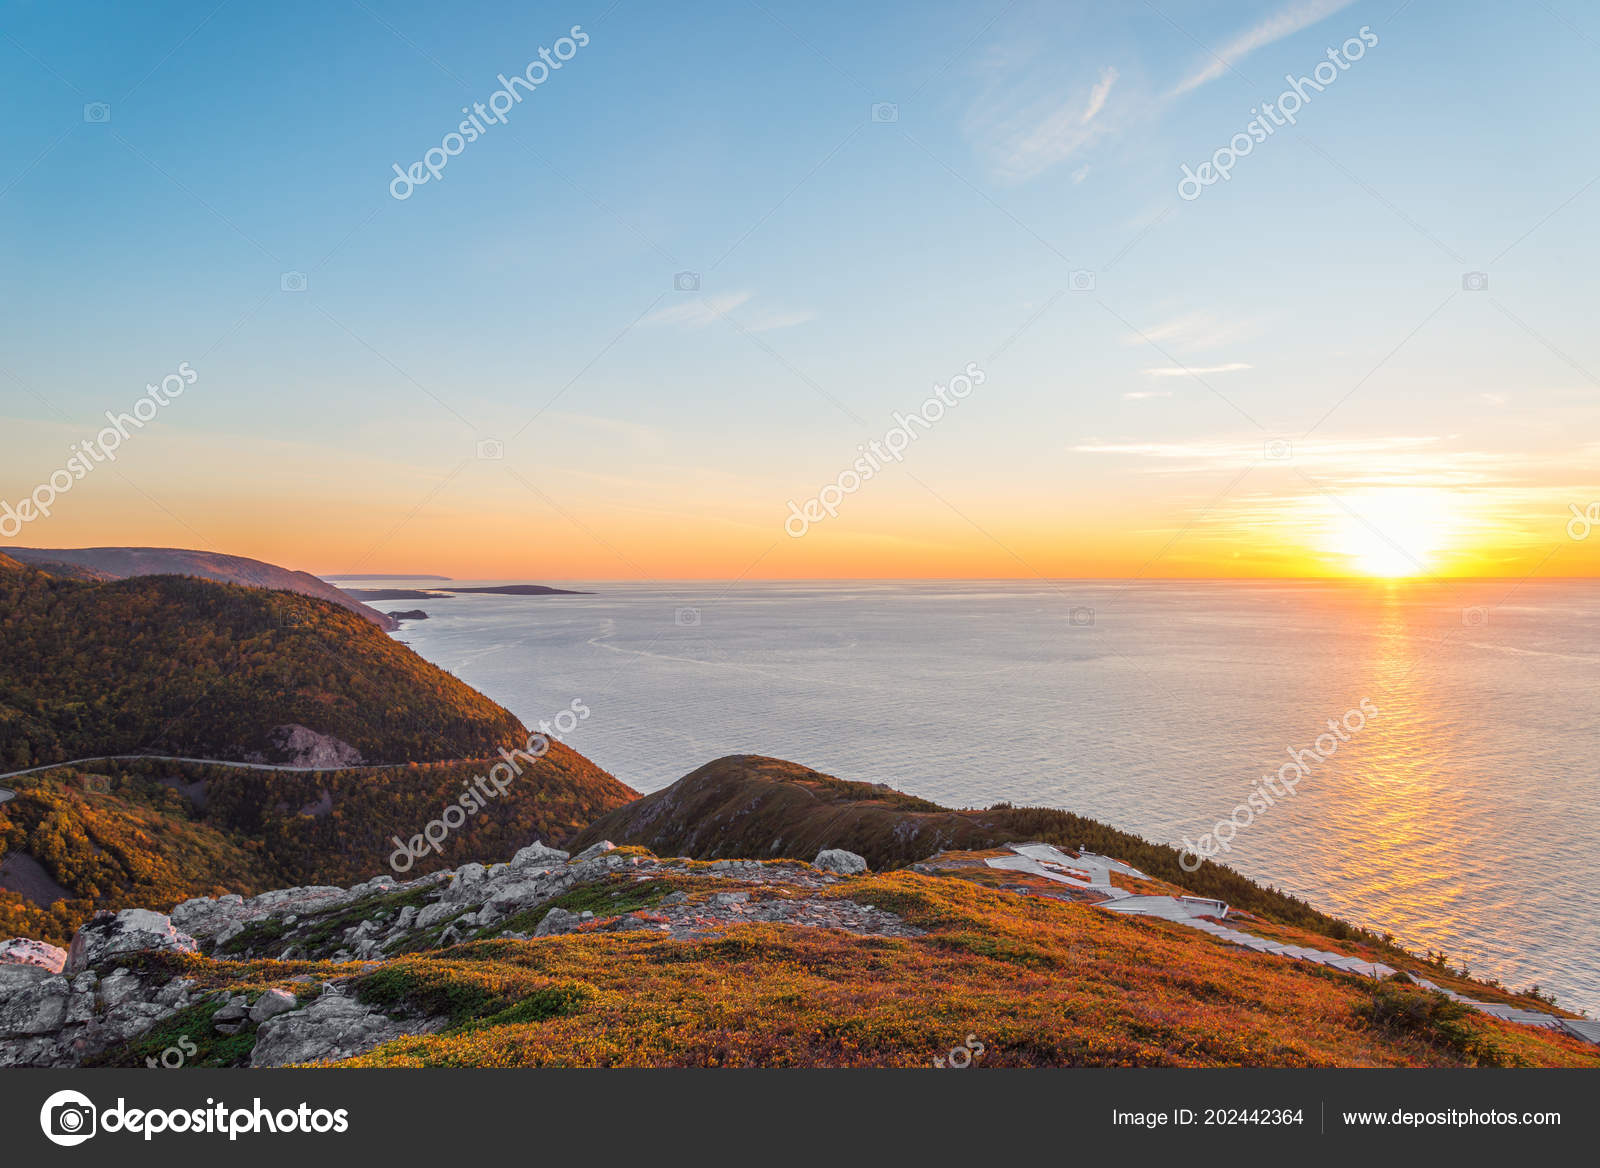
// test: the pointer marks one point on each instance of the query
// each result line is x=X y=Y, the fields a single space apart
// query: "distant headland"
x=445 y=593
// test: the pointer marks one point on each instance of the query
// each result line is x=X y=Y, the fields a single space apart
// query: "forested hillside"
x=174 y=665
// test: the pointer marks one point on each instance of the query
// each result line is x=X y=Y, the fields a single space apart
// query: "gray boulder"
x=37 y=1008
x=434 y=913
x=537 y=855
x=20 y=977
x=121 y=986
x=271 y=1004
x=840 y=861
x=558 y=921
x=22 y=951
x=52 y=1020
x=175 y=993
x=232 y=1017
x=464 y=884
x=133 y=930
x=594 y=850
x=517 y=896
x=332 y=1027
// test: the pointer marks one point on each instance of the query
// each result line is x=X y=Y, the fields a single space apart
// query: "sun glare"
x=1391 y=533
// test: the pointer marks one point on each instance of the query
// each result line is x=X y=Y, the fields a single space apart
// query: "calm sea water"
x=1465 y=816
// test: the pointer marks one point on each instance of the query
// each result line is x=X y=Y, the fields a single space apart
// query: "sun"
x=1391 y=532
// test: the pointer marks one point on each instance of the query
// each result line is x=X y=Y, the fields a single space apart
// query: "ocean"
x=1458 y=808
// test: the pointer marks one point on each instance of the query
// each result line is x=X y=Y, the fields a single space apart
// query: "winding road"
x=6 y=793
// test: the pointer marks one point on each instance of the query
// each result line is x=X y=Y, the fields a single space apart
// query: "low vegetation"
x=751 y=806
x=149 y=834
x=1036 y=982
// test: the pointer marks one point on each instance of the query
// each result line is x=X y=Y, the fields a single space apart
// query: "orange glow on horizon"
x=1392 y=533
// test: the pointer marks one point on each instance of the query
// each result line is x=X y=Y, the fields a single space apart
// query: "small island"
x=444 y=594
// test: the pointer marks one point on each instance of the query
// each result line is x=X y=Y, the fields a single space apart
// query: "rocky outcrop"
x=840 y=861
x=332 y=1027
x=58 y=1020
x=271 y=1004
x=558 y=921
x=594 y=850
x=536 y=854
x=22 y=951
x=301 y=746
x=133 y=930
x=58 y=1009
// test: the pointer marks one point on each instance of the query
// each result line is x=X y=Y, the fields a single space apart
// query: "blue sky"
x=846 y=262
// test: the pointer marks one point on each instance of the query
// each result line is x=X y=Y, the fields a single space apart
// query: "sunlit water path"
x=1465 y=816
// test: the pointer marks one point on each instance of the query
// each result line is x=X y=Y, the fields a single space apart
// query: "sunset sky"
x=1291 y=374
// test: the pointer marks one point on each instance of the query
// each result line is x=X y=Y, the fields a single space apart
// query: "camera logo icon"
x=1475 y=617
x=686 y=618
x=68 y=1118
x=1081 y=280
x=686 y=282
x=885 y=112
x=1081 y=617
x=1475 y=282
x=491 y=449
x=1277 y=450
x=97 y=113
x=292 y=282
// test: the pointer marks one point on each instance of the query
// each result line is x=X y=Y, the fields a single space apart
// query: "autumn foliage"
x=181 y=666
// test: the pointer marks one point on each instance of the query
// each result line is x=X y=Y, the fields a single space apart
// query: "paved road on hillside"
x=246 y=766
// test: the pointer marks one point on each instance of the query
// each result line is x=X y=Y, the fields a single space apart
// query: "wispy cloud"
x=778 y=320
x=1098 y=95
x=1194 y=330
x=1197 y=371
x=1025 y=122
x=1284 y=22
x=698 y=311
x=1348 y=463
x=1142 y=394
